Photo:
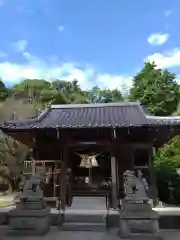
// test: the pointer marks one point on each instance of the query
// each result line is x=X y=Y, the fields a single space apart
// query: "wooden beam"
x=88 y=143
x=139 y=145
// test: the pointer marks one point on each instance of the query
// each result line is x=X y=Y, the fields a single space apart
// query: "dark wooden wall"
x=125 y=158
x=124 y=162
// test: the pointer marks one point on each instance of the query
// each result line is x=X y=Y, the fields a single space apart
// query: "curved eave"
x=165 y=128
x=157 y=120
x=153 y=123
x=26 y=127
x=20 y=130
x=26 y=122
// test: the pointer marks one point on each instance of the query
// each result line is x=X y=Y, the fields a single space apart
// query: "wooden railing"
x=42 y=167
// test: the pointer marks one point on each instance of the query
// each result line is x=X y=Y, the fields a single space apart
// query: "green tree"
x=62 y=92
x=167 y=163
x=12 y=152
x=98 y=95
x=177 y=112
x=169 y=155
x=47 y=95
x=57 y=92
x=59 y=98
x=38 y=84
x=71 y=91
x=156 y=89
x=3 y=91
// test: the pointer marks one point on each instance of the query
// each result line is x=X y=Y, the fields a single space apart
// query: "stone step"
x=144 y=236
x=24 y=233
x=86 y=218
x=77 y=226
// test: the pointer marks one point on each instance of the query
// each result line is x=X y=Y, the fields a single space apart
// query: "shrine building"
x=114 y=137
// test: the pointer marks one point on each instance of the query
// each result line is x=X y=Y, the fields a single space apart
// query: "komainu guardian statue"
x=134 y=187
x=31 y=216
x=136 y=215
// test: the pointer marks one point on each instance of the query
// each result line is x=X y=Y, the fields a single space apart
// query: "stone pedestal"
x=138 y=219
x=29 y=222
x=31 y=216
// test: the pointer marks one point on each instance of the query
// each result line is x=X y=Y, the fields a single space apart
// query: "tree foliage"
x=177 y=112
x=13 y=153
x=157 y=89
x=34 y=84
x=167 y=163
x=98 y=95
x=3 y=91
x=169 y=155
x=63 y=92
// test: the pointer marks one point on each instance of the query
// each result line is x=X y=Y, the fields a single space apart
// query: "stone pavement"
x=95 y=203
x=55 y=234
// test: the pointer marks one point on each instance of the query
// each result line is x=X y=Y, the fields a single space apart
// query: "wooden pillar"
x=63 y=178
x=117 y=180
x=114 y=180
x=35 y=156
x=153 y=187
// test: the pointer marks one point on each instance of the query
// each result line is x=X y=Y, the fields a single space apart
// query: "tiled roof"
x=171 y=120
x=92 y=115
x=85 y=115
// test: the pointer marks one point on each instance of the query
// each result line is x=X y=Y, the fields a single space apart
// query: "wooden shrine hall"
x=113 y=137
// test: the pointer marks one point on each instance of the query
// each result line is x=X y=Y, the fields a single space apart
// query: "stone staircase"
x=84 y=221
x=93 y=216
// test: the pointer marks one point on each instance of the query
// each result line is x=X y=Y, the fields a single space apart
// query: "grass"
x=6 y=204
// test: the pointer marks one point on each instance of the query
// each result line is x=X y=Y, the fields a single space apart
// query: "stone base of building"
x=29 y=222
x=138 y=219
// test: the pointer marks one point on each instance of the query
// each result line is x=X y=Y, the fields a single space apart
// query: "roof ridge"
x=89 y=105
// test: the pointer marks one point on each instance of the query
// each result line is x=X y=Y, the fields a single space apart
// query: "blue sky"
x=97 y=42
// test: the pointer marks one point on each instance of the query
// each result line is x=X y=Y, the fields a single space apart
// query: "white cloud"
x=114 y=81
x=158 y=38
x=37 y=68
x=20 y=46
x=168 y=59
x=61 y=28
x=168 y=12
